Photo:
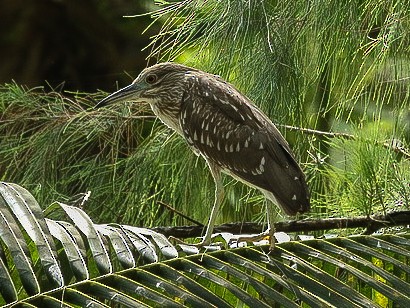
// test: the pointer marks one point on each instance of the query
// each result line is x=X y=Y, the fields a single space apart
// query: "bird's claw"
x=257 y=237
x=207 y=244
x=203 y=244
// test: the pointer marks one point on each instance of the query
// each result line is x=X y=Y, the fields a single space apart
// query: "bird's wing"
x=227 y=129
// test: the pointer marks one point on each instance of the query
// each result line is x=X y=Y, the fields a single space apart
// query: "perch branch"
x=370 y=223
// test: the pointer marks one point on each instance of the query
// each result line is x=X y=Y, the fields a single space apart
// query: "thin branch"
x=389 y=145
x=318 y=132
x=396 y=148
x=371 y=224
x=173 y=210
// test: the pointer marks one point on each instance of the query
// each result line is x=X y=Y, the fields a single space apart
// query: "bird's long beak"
x=128 y=93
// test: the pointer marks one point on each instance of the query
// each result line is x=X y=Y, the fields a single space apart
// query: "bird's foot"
x=250 y=238
x=207 y=244
x=203 y=244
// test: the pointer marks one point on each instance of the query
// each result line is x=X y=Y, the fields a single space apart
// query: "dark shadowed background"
x=82 y=45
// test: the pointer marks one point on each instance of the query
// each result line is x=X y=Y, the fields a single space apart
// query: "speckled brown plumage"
x=223 y=126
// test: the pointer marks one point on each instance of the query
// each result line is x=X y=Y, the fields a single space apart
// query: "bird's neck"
x=169 y=115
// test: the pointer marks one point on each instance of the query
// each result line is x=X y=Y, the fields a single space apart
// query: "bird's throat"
x=168 y=116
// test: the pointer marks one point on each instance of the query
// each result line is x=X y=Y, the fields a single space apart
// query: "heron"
x=224 y=127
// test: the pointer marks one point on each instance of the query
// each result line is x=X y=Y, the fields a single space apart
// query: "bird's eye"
x=151 y=78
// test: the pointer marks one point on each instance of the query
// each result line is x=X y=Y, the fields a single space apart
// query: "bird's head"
x=160 y=83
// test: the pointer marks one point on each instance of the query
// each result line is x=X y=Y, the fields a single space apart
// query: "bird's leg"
x=219 y=194
x=268 y=232
x=271 y=224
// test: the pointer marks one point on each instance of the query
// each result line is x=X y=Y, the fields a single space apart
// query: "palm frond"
x=107 y=264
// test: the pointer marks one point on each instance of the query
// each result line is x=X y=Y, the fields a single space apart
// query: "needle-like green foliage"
x=325 y=65
x=331 y=66
x=59 y=147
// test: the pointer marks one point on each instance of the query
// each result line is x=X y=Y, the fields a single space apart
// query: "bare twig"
x=180 y=213
x=318 y=132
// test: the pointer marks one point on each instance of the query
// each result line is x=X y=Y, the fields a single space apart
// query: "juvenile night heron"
x=224 y=127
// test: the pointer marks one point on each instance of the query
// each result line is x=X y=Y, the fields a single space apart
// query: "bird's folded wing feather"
x=224 y=126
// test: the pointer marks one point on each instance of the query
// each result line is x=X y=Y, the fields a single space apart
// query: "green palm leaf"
x=364 y=271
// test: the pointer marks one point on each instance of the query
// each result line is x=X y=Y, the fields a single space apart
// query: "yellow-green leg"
x=219 y=194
